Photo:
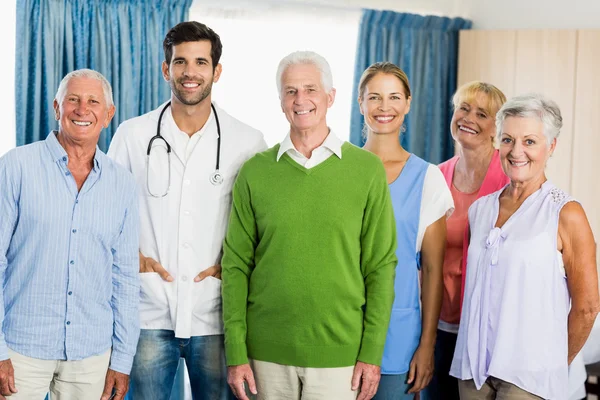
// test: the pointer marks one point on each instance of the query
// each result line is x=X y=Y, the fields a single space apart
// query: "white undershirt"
x=436 y=201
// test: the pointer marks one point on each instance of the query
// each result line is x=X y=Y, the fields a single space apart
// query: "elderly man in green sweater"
x=309 y=257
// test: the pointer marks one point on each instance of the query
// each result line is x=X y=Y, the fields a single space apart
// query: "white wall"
x=7 y=71
x=247 y=87
x=530 y=14
x=490 y=14
x=431 y=7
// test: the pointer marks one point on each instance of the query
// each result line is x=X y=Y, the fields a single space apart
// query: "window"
x=256 y=39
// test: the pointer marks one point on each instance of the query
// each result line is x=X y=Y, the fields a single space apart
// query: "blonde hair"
x=382 y=68
x=469 y=91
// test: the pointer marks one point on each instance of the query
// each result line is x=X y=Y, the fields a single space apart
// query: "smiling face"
x=473 y=124
x=83 y=111
x=304 y=100
x=384 y=104
x=190 y=72
x=524 y=149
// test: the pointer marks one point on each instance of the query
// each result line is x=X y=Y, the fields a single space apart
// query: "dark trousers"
x=443 y=386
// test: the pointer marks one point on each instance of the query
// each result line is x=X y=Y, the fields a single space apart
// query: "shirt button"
x=184 y=278
x=64 y=158
x=186 y=245
x=74 y=230
x=186 y=212
x=67 y=173
x=76 y=201
x=70 y=293
x=71 y=262
x=68 y=322
x=187 y=182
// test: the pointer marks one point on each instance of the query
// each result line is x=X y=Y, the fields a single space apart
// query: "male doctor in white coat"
x=185 y=200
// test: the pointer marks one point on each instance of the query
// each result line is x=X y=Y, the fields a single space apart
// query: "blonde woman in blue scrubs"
x=422 y=202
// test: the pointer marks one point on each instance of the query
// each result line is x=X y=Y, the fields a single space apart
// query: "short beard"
x=193 y=101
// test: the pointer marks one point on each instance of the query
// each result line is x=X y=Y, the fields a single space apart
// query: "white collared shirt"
x=185 y=143
x=331 y=145
x=184 y=230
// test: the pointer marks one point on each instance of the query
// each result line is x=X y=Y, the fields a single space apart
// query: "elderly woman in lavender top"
x=531 y=292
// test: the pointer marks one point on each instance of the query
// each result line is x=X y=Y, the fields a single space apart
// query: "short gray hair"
x=306 y=57
x=85 y=73
x=532 y=105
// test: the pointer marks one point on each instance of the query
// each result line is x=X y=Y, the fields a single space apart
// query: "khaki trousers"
x=493 y=388
x=65 y=380
x=284 y=382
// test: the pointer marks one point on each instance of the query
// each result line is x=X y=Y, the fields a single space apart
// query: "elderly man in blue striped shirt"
x=68 y=256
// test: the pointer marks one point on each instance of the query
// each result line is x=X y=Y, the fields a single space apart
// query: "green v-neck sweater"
x=309 y=261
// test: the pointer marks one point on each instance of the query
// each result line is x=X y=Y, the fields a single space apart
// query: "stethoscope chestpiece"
x=216 y=178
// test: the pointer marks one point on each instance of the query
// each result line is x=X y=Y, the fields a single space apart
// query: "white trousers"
x=65 y=380
x=284 y=382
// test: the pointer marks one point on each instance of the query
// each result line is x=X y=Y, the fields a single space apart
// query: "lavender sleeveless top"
x=514 y=318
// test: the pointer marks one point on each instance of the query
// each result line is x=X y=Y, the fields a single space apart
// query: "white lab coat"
x=183 y=230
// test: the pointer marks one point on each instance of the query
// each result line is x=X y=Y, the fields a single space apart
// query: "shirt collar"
x=180 y=140
x=285 y=146
x=174 y=127
x=58 y=153
x=331 y=142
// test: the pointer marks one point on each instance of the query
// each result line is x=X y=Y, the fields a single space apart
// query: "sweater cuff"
x=371 y=353
x=236 y=354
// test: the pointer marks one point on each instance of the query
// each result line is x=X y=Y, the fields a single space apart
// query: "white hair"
x=306 y=57
x=532 y=105
x=85 y=73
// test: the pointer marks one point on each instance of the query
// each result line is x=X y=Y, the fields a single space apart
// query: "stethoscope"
x=215 y=178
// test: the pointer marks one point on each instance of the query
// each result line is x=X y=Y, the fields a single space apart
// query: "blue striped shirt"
x=68 y=260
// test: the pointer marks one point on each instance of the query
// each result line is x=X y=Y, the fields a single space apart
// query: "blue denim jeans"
x=157 y=358
x=393 y=387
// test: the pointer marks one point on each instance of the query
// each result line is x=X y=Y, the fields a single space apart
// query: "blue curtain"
x=122 y=39
x=426 y=48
